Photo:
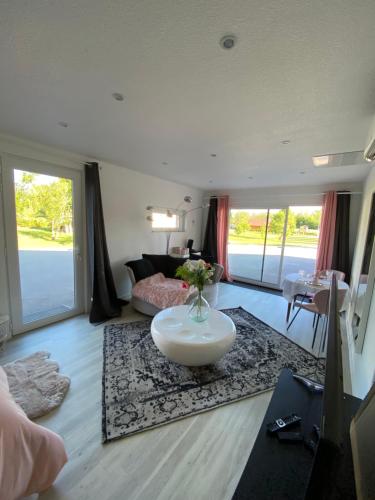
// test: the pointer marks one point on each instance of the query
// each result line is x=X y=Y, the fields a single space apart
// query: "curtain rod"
x=281 y=194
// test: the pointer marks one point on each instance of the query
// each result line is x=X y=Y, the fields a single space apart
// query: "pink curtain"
x=222 y=234
x=327 y=232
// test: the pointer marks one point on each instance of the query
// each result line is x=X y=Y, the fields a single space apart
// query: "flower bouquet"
x=196 y=273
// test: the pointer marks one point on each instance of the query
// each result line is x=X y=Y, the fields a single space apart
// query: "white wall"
x=355 y=213
x=362 y=364
x=125 y=195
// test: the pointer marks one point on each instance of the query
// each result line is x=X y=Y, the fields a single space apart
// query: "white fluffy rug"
x=35 y=383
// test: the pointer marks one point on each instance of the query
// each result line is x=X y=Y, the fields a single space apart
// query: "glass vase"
x=199 y=309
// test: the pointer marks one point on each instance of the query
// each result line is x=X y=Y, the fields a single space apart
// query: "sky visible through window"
x=164 y=221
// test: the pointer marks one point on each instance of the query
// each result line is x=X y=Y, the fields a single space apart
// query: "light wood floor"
x=198 y=458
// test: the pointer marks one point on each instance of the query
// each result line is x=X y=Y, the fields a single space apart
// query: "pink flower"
x=185 y=285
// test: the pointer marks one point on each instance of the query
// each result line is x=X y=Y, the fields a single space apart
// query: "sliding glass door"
x=266 y=244
x=43 y=238
x=255 y=244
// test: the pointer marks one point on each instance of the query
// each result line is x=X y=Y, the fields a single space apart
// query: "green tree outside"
x=310 y=220
x=241 y=222
x=277 y=221
x=44 y=211
x=301 y=231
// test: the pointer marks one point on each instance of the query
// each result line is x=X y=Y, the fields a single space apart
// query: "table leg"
x=288 y=311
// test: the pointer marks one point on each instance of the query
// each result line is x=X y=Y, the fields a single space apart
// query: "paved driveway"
x=47 y=282
x=246 y=261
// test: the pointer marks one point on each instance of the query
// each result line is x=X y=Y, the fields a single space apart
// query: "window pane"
x=44 y=212
x=246 y=242
x=164 y=221
x=301 y=239
x=255 y=249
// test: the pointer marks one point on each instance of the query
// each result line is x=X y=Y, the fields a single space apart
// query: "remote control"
x=283 y=423
x=292 y=437
x=310 y=384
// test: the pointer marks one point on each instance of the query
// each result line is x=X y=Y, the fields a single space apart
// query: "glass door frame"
x=9 y=164
x=266 y=284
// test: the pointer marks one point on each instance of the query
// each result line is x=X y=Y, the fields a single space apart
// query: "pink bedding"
x=31 y=456
x=162 y=292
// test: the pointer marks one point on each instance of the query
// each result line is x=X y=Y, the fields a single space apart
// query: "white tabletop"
x=175 y=325
x=294 y=284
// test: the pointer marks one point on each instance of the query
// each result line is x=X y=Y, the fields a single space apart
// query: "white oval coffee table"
x=189 y=343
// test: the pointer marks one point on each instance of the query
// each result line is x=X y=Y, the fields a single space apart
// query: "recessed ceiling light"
x=164 y=163
x=320 y=161
x=302 y=172
x=63 y=124
x=213 y=155
x=117 y=96
x=285 y=141
x=228 y=42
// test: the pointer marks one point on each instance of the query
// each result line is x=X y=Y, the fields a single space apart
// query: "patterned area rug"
x=142 y=389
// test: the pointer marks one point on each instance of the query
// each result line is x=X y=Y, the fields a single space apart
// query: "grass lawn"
x=256 y=238
x=32 y=239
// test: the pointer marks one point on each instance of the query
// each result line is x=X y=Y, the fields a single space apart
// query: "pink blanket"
x=30 y=455
x=162 y=292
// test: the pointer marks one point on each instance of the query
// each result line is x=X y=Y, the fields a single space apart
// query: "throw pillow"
x=173 y=264
x=142 y=268
x=160 y=262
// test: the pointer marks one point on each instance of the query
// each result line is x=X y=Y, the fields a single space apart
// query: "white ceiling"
x=302 y=71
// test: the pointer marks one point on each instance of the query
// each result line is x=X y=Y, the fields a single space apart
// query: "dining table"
x=299 y=284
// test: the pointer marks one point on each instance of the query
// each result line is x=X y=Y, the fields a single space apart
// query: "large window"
x=265 y=245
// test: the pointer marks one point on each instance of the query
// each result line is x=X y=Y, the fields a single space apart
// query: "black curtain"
x=210 y=238
x=104 y=301
x=340 y=258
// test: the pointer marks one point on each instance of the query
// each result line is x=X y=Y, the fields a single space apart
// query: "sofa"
x=151 y=264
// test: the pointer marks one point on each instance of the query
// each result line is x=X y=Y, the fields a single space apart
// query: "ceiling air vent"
x=339 y=159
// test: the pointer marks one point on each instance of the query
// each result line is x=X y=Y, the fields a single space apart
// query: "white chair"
x=322 y=274
x=340 y=275
x=319 y=307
